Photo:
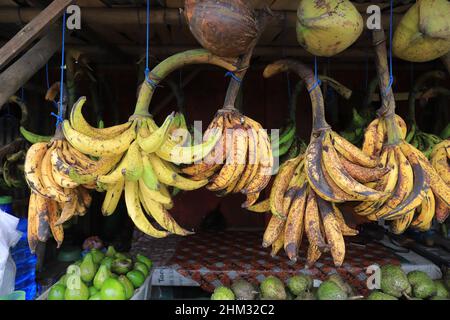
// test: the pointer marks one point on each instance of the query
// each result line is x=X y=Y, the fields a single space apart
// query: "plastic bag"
x=9 y=236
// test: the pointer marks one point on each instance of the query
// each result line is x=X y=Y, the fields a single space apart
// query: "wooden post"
x=32 y=30
x=26 y=66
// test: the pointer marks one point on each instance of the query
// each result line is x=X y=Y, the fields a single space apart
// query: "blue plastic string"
x=59 y=116
x=316 y=77
x=232 y=75
x=391 y=75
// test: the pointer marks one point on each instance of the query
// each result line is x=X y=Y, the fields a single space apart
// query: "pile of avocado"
x=102 y=276
x=299 y=287
x=416 y=285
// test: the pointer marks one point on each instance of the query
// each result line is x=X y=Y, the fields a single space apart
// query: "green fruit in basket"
x=299 y=284
x=112 y=289
x=378 y=295
x=96 y=296
x=136 y=277
x=441 y=290
x=87 y=268
x=57 y=292
x=244 y=290
x=272 y=288
x=144 y=259
x=306 y=295
x=422 y=285
x=103 y=273
x=329 y=290
x=223 y=293
x=76 y=289
x=394 y=281
x=62 y=280
x=97 y=256
x=142 y=267
x=111 y=252
x=120 y=255
x=107 y=261
x=121 y=266
x=129 y=288
x=93 y=291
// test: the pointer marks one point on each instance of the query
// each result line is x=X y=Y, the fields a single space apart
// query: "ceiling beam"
x=36 y=25
x=135 y=16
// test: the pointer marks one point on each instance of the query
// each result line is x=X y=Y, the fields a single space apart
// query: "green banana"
x=33 y=137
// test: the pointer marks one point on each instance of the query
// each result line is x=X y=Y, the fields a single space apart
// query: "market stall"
x=225 y=149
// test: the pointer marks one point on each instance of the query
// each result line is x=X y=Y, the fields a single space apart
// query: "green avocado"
x=336 y=278
x=107 y=261
x=422 y=285
x=97 y=255
x=441 y=290
x=329 y=290
x=142 y=267
x=96 y=296
x=299 y=284
x=223 y=293
x=394 y=281
x=121 y=266
x=378 y=295
x=102 y=274
x=62 y=280
x=136 y=277
x=129 y=289
x=243 y=290
x=87 y=268
x=272 y=288
x=111 y=252
x=93 y=291
x=112 y=289
x=144 y=259
x=76 y=289
x=57 y=292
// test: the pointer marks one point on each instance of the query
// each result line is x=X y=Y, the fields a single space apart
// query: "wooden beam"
x=40 y=23
x=32 y=61
x=136 y=16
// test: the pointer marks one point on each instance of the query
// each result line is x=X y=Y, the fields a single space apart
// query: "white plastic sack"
x=9 y=236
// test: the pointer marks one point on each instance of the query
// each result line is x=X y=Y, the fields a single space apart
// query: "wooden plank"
x=32 y=61
x=32 y=30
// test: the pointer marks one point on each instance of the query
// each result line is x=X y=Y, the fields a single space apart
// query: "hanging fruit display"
x=413 y=184
x=327 y=27
x=423 y=33
x=440 y=157
x=55 y=198
x=227 y=28
x=138 y=157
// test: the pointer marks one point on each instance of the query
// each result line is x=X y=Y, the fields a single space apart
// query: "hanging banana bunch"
x=55 y=198
x=306 y=190
x=412 y=184
x=440 y=157
x=241 y=161
x=139 y=158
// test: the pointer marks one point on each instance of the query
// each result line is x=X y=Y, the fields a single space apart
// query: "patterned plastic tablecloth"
x=212 y=259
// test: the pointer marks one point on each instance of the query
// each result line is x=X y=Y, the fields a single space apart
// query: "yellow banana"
x=69 y=210
x=32 y=168
x=135 y=211
x=53 y=216
x=169 y=177
x=277 y=245
x=157 y=196
x=423 y=220
x=112 y=197
x=351 y=152
x=161 y=216
x=345 y=229
x=79 y=123
x=333 y=232
x=156 y=138
x=273 y=230
x=399 y=225
x=260 y=207
x=98 y=147
x=294 y=224
x=313 y=223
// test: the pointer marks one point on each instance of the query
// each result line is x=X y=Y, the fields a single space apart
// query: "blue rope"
x=232 y=75
x=59 y=117
x=316 y=77
x=391 y=75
